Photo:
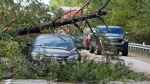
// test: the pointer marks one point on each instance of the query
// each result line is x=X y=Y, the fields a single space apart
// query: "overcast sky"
x=44 y=1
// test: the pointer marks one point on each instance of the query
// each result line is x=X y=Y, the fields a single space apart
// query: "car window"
x=55 y=41
x=111 y=30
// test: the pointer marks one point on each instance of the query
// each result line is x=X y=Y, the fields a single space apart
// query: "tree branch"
x=38 y=27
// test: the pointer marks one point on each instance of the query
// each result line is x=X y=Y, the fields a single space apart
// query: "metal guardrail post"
x=149 y=51
x=135 y=47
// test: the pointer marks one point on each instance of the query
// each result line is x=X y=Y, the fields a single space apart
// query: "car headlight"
x=36 y=56
x=125 y=39
x=74 y=56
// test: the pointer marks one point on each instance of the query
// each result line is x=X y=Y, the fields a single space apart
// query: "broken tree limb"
x=51 y=24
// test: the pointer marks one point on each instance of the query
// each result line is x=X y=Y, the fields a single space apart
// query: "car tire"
x=124 y=53
x=91 y=49
x=29 y=57
x=79 y=59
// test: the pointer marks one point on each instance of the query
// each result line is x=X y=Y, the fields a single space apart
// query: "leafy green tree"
x=132 y=15
x=93 y=6
x=16 y=15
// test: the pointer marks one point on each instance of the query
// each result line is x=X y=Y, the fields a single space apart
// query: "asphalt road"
x=141 y=57
x=138 y=63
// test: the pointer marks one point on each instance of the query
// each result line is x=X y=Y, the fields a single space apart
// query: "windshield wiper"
x=52 y=47
x=38 y=45
x=63 y=39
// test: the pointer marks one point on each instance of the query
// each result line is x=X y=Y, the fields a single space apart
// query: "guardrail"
x=136 y=47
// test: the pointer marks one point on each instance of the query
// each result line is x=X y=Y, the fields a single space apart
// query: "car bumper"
x=121 y=46
x=57 y=59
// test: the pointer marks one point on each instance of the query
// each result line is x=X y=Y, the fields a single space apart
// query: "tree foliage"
x=93 y=6
x=132 y=15
x=14 y=15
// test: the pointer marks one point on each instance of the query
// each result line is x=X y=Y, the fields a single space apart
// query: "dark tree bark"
x=53 y=24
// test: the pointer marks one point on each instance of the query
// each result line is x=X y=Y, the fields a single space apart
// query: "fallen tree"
x=36 y=28
x=52 y=24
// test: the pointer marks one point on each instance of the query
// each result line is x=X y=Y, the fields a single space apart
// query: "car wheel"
x=124 y=53
x=86 y=48
x=91 y=50
x=29 y=57
x=117 y=52
x=79 y=59
x=97 y=51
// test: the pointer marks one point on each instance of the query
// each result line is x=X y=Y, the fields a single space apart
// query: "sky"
x=44 y=1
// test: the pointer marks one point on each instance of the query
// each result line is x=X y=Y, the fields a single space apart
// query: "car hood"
x=55 y=51
x=110 y=35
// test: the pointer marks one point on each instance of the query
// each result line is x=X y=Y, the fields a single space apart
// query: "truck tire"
x=124 y=53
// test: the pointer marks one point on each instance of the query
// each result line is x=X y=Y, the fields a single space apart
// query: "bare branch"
x=104 y=5
x=91 y=30
x=62 y=15
x=100 y=43
x=10 y=24
x=78 y=27
x=103 y=22
x=82 y=7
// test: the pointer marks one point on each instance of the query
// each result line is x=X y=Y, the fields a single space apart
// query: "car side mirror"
x=29 y=44
x=126 y=33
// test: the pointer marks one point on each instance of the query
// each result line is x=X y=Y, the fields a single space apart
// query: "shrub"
x=88 y=71
x=8 y=48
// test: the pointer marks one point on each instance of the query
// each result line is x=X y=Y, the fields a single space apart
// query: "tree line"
x=131 y=15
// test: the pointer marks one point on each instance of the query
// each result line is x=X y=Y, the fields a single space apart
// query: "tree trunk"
x=51 y=24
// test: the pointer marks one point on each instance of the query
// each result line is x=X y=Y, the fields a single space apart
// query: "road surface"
x=139 y=63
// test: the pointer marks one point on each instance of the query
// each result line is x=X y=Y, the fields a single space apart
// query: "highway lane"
x=141 y=57
x=139 y=63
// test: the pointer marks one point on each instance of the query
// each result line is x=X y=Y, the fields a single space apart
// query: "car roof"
x=103 y=26
x=91 y=28
x=54 y=35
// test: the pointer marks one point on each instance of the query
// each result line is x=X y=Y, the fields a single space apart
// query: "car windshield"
x=54 y=41
x=111 y=30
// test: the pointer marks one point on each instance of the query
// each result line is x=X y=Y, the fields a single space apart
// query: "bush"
x=87 y=71
x=8 y=48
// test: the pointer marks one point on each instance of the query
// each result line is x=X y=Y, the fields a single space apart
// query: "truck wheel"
x=97 y=52
x=124 y=53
